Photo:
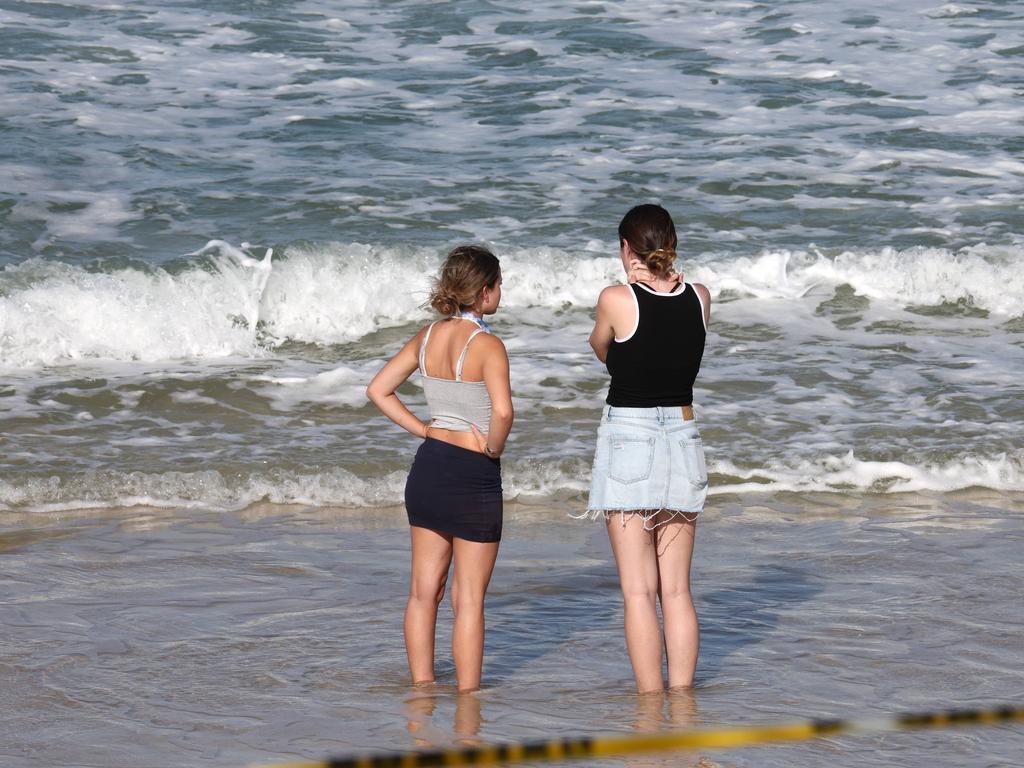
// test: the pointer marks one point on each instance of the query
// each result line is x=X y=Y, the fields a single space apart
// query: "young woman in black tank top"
x=649 y=479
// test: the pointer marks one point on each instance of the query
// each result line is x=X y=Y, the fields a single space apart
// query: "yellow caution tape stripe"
x=718 y=738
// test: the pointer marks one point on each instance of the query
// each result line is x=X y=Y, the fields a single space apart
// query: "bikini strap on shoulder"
x=423 y=347
x=465 y=349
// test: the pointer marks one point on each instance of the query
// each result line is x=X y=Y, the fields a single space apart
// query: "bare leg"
x=674 y=543
x=431 y=556
x=637 y=563
x=474 y=562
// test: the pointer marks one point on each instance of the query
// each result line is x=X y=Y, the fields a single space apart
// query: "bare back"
x=447 y=340
x=445 y=345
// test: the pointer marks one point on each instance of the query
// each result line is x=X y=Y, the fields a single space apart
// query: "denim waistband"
x=658 y=414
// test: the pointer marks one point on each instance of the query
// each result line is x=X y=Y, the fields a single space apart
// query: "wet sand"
x=164 y=638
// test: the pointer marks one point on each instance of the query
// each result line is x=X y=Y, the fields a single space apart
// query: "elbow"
x=503 y=413
x=373 y=395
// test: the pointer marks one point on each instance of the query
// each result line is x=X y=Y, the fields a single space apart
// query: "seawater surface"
x=218 y=219
x=273 y=635
x=845 y=180
x=132 y=129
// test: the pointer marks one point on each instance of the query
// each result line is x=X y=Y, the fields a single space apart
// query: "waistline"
x=661 y=414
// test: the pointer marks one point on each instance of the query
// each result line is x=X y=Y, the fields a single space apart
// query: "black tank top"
x=658 y=364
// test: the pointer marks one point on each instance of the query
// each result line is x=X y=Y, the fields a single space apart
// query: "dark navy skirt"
x=455 y=491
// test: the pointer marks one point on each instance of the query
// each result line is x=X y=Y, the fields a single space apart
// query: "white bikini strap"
x=465 y=349
x=423 y=349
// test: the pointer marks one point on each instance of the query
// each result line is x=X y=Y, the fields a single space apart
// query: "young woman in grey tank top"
x=453 y=493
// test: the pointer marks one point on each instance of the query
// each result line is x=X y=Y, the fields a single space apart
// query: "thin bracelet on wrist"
x=489 y=452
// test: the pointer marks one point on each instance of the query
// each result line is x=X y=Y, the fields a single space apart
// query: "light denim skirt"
x=648 y=460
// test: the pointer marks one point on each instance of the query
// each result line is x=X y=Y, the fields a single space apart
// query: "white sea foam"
x=60 y=312
x=951 y=10
x=199 y=490
x=930 y=276
x=1003 y=472
x=231 y=304
x=531 y=480
x=765 y=128
x=343 y=385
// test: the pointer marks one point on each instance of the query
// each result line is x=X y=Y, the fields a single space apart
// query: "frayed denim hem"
x=646 y=514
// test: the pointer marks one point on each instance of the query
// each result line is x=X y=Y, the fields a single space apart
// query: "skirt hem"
x=689 y=515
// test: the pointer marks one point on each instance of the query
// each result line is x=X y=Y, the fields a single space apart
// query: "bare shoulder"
x=615 y=295
x=488 y=356
x=705 y=300
x=490 y=343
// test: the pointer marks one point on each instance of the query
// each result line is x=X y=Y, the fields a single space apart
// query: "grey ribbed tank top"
x=455 y=404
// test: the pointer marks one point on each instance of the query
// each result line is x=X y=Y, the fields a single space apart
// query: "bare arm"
x=705 y=300
x=381 y=390
x=495 y=375
x=614 y=310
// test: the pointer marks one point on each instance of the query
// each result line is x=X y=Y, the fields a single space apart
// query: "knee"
x=639 y=594
x=676 y=593
x=467 y=600
x=427 y=591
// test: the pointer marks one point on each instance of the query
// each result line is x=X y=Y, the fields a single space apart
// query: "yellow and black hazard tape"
x=630 y=744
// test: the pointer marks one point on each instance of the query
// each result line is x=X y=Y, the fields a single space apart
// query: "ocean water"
x=845 y=180
x=218 y=219
x=274 y=635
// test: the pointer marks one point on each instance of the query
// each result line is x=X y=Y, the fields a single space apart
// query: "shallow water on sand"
x=275 y=633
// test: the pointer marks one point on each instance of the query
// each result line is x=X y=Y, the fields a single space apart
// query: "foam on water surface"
x=529 y=125
x=844 y=180
x=192 y=483
x=230 y=303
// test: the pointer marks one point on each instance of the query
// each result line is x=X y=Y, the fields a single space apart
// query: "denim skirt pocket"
x=630 y=458
x=692 y=449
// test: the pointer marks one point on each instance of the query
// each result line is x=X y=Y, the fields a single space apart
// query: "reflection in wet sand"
x=420 y=707
x=673 y=710
x=467 y=719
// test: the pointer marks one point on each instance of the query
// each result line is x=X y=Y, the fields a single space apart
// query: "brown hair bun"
x=465 y=272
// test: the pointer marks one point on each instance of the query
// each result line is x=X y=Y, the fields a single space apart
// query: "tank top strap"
x=423 y=349
x=465 y=349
